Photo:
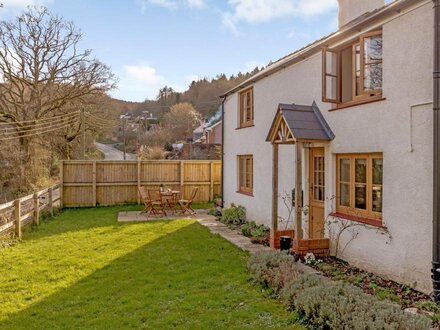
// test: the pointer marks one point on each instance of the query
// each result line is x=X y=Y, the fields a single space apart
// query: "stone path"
x=239 y=240
x=230 y=235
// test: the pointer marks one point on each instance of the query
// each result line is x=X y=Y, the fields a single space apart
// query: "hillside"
x=203 y=94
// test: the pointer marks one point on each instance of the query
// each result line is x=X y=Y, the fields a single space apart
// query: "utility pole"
x=83 y=135
x=123 y=134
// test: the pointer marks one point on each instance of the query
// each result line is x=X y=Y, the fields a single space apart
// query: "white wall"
x=376 y=127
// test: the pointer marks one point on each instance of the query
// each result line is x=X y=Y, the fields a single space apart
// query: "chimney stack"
x=351 y=9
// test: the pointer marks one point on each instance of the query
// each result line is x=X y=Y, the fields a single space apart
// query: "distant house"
x=199 y=132
x=347 y=123
x=213 y=134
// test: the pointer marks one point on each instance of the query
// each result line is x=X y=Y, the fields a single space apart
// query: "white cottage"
x=348 y=121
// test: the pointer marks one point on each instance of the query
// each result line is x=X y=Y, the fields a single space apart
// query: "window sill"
x=367 y=221
x=250 y=194
x=245 y=126
x=358 y=102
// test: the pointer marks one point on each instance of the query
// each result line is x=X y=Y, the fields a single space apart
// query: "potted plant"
x=284 y=224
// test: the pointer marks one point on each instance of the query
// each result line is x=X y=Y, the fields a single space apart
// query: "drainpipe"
x=436 y=109
x=223 y=150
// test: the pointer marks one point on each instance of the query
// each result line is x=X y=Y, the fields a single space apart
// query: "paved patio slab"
x=138 y=216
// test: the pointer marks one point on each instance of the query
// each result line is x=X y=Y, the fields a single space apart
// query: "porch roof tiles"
x=305 y=123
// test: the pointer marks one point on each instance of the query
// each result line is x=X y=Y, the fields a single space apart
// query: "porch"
x=303 y=127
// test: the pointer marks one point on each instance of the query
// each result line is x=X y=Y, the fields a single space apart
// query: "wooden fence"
x=91 y=183
x=17 y=214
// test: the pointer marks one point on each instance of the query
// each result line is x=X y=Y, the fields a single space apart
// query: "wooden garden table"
x=170 y=199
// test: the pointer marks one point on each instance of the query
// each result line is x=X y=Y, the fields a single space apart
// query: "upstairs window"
x=246 y=108
x=353 y=72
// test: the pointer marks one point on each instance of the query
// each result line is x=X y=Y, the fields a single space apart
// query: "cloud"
x=19 y=4
x=171 y=4
x=195 y=3
x=258 y=11
x=140 y=82
x=168 y=4
x=144 y=74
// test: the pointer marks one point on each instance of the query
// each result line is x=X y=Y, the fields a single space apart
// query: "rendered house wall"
x=399 y=126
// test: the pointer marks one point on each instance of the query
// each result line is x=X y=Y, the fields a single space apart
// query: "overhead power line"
x=37 y=133
x=39 y=123
x=38 y=129
x=35 y=121
x=103 y=120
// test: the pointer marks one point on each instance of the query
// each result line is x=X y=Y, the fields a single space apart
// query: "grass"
x=85 y=270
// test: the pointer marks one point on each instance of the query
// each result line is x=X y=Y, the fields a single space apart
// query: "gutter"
x=436 y=153
x=223 y=151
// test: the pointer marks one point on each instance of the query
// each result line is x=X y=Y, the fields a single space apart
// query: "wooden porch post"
x=275 y=188
x=298 y=192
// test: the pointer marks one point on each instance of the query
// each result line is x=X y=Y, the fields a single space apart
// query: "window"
x=245 y=174
x=246 y=108
x=360 y=185
x=354 y=72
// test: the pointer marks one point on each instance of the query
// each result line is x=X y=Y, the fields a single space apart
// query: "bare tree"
x=44 y=71
x=181 y=121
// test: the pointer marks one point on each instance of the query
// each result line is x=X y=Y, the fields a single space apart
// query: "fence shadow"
x=167 y=282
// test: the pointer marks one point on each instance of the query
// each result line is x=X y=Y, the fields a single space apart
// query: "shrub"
x=342 y=306
x=235 y=215
x=251 y=229
x=273 y=269
x=304 y=281
x=216 y=213
x=325 y=304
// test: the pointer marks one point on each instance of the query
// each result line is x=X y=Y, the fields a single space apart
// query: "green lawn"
x=84 y=270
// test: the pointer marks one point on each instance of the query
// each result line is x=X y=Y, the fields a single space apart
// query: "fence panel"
x=17 y=214
x=117 y=182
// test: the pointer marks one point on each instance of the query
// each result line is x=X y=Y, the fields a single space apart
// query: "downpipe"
x=223 y=153
x=435 y=271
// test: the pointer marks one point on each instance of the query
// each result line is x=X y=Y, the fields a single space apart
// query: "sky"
x=152 y=43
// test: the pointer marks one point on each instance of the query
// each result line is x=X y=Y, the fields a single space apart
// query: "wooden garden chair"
x=185 y=204
x=157 y=204
x=145 y=200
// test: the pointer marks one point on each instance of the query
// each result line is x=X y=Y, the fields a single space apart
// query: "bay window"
x=360 y=185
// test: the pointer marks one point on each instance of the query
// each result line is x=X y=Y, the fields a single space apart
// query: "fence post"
x=61 y=185
x=211 y=178
x=36 y=209
x=182 y=178
x=138 y=181
x=17 y=217
x=51 y=201
x=94 y=184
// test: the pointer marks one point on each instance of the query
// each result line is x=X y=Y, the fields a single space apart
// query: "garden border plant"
x=235 y=218
x=325 y=304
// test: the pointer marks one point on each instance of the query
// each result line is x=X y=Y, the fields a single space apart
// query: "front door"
x=316 y=193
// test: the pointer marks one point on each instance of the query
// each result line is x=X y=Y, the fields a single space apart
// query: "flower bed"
x=319 y=247
x=375 y=285
x=325 y=304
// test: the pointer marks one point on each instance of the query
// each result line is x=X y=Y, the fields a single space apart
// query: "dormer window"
x=353 y=72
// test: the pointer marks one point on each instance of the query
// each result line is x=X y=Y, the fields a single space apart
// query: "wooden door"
x=316 y=192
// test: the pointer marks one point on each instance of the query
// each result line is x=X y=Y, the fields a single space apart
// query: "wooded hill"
x=203 y=94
